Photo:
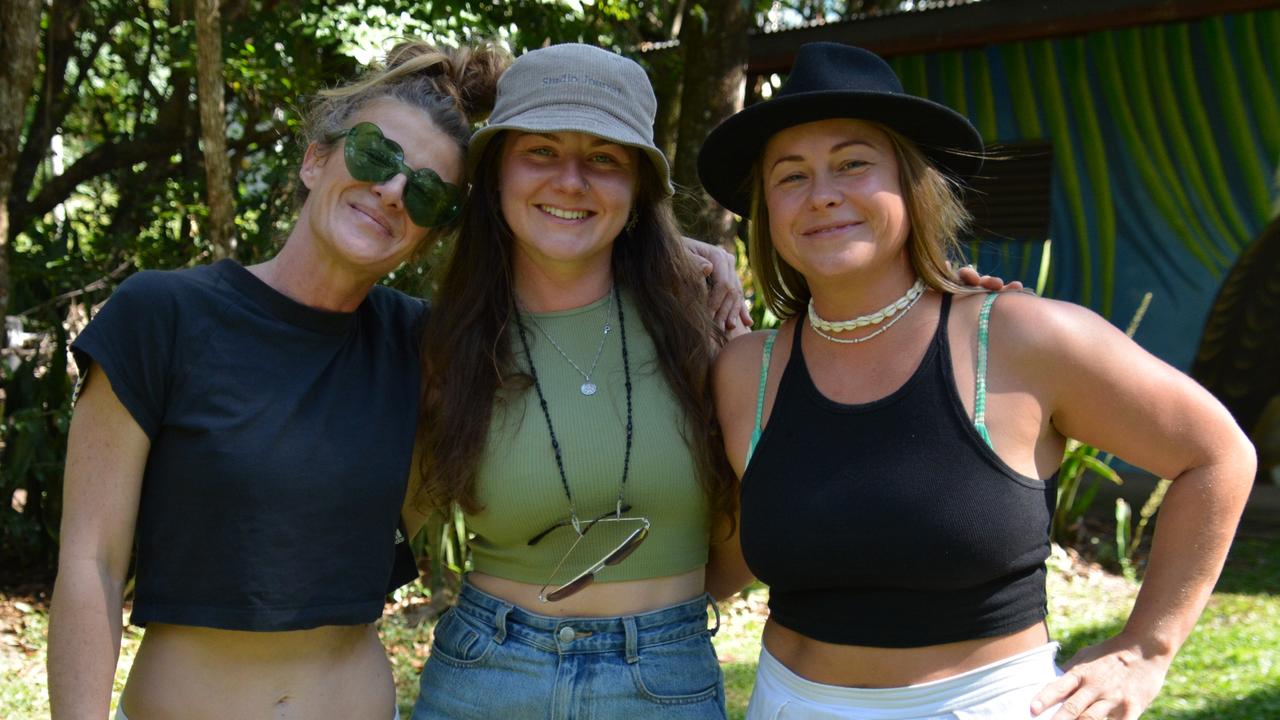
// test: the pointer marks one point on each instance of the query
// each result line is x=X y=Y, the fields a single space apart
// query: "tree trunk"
x=19 y=38
x=714 y=40
x=664 y=73
x=213 y=128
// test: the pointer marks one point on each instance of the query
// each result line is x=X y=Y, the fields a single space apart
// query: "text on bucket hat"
x=576 y=88
x=830 y=80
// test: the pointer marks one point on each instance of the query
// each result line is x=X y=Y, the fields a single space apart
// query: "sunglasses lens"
x=573 y=587
x=627 y=547
x=430 y=201
x=370 y=156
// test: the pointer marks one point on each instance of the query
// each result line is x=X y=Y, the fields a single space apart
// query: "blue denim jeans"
x=491 y=660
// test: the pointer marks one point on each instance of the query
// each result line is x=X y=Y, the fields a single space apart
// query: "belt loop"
x=500 y=621
x=633 y=641
x=716 y=608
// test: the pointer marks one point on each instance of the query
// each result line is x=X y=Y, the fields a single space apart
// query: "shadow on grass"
x=1264 y=703
x=1253 y=568
x=739 y=677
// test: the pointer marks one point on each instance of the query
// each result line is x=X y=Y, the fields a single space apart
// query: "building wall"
x=1166 y=141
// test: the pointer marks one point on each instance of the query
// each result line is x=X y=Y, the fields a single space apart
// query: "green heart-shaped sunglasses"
x=429 y=201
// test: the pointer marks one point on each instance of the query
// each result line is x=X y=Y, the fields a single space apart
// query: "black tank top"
x=892 y=523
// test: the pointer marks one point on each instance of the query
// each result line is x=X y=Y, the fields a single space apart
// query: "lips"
x=375 y=216
x=830 y=228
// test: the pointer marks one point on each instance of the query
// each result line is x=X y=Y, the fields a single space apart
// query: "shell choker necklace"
x=893 y=312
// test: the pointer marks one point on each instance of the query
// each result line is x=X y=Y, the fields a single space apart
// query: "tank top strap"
x=980 y=376
x=764 y=376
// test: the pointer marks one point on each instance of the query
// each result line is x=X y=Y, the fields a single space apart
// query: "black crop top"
x=892 y=523
x=281 y=440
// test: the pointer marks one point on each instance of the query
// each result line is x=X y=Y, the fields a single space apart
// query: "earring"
x=632 y=220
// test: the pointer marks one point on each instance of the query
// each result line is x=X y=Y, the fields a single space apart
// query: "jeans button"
x=566 y=634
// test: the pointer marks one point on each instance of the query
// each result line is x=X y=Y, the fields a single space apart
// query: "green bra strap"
x=980 y=381
x=764 y=376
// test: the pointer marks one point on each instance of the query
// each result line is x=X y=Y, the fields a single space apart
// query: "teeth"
x=564 y=214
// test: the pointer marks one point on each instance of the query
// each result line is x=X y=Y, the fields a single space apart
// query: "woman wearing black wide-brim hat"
x=899 y=459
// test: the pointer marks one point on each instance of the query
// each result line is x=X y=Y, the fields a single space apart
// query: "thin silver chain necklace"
x=588 y=388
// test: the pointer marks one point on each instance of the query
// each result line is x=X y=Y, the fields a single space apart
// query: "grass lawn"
x=1228 y=670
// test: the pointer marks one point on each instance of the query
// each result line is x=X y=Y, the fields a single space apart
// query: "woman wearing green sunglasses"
x=253 y=428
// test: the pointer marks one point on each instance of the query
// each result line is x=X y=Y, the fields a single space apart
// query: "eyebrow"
x=595 y=141
x=834 y=148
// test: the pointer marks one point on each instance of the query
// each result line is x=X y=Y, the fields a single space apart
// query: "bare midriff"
x=327 y=673
x=861 y=666
x=598 y=599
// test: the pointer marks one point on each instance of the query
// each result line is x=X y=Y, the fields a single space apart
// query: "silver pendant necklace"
x=587 y=388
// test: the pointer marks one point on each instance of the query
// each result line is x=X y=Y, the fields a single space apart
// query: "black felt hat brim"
x=726 y=159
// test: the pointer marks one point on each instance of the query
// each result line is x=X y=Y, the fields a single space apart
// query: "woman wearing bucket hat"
x=898 y=463
x=567 y=411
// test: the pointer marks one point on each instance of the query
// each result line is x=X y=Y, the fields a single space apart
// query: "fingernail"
x=1035 y=707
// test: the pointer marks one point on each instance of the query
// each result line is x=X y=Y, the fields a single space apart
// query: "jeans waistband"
x=565 y=635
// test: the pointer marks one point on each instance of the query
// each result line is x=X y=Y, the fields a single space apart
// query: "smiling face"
x=834 y=198
x=361 y=226
x=566 y=196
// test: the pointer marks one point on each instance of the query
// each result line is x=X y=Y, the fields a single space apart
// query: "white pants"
x=121 y=716
x=1000 y=691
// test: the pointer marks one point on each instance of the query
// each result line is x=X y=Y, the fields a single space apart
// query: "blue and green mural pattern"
x=1165 y=146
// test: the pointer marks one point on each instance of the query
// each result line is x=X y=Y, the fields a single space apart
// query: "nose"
x=390 y=192
x=823 y=192
x=571 y=179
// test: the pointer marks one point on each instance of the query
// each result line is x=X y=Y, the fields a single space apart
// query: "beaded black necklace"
x=546 y=413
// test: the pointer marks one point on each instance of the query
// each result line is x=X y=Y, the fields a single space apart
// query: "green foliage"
x=1079 y=478
x=34 y=427
x=1128 y=537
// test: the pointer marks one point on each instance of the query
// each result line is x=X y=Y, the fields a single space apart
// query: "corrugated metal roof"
x=919 y=7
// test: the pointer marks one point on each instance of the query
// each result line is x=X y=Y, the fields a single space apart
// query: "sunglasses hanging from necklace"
x=637 y=536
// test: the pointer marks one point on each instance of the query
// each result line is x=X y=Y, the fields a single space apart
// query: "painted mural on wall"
x=1165 y=142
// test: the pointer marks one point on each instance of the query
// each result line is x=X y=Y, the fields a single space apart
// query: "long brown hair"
x=468 y=363
x=937 y=217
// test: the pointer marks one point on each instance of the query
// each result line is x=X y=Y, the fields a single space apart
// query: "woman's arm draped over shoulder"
x=106 y=456
x=725 y=298
x=1106 y=391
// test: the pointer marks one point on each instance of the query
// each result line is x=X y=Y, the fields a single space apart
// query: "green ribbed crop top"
x=518 y=483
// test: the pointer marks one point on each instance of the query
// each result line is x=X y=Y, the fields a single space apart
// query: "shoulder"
x=159 y=284
x=741 y=356
x=155 y=293
x=1044 y=324
x=1027 y=322
x=1057 y=345
x=398 y=309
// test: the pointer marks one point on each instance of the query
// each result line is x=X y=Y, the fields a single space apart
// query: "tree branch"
x=112 y=155
x=94 y=286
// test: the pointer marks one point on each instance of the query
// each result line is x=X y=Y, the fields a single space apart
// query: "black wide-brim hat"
x=830 y=80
